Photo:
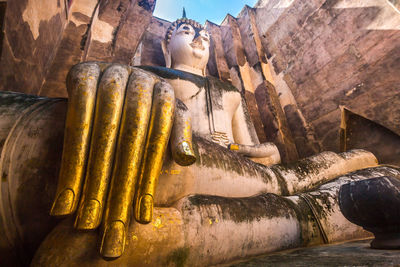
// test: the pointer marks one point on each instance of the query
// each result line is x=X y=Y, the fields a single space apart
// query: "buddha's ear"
x=167 y=54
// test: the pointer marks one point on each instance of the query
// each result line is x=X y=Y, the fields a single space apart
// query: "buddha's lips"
x=197 y=45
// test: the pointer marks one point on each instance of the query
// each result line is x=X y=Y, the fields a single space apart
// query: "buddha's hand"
x=118 y=124
x=265 y=153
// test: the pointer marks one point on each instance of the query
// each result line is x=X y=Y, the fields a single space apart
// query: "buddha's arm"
x=246 y=140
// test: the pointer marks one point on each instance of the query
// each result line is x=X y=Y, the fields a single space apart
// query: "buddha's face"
x=189 y=46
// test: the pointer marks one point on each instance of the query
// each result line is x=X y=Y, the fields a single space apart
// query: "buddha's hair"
x=178 y=23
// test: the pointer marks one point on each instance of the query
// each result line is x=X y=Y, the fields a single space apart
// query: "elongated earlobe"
x=167 y=54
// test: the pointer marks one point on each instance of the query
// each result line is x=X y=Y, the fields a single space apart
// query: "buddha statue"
x=162 y=166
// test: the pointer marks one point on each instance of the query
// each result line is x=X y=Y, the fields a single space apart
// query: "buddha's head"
x=186 y=46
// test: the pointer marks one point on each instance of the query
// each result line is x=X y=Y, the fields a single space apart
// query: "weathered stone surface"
x=228 y=42
x=71 y=48
x=327 y=130
x=261 y=53
x=247 y=21
x=251 y=103
x=302 y=135
x=130 y=30
x=117 y=30
x=247 y=28
x=42 y=42
x=232 y=41
x=274 y=120
x=218 y=54
x=32 y=32
x=3 y=6
x=244 y=75
x=212 y=68
x=151 y=53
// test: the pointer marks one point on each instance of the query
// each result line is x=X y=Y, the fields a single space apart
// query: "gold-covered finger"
x=161 y=120
x=113 y=241
x=109 y=103
x=129 y=152
x=181 y=136
x=82 y=86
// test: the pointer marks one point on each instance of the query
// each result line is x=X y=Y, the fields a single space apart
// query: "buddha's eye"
x=186 y=29
x=205 y=37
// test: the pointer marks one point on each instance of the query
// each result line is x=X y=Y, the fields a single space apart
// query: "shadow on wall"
x=359 y=132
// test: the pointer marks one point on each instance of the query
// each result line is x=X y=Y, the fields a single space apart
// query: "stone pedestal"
x=374 y=204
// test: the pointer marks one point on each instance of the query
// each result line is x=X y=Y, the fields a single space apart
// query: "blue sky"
x=200 y=10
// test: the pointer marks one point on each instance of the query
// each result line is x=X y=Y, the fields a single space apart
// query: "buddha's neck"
x=187 y=68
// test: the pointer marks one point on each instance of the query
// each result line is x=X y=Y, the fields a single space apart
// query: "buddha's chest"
x=211 y=108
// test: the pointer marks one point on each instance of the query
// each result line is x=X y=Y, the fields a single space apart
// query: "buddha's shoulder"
x=172 y=74
x=200 y=81
x=221 y=85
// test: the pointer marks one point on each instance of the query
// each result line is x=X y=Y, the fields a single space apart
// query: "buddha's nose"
x=197 y=41
x=197 y=37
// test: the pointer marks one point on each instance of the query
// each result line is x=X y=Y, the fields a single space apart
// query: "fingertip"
x=64 y=203
x=88 y=217
x=113 y=241
x=184 y=154
x=145 y=213
x=188 y=160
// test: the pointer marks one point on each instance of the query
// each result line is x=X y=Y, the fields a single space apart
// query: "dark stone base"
x=355 y=253
x=385 y=240
x=374 y=204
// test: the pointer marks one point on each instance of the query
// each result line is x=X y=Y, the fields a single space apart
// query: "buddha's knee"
x=157 y=243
